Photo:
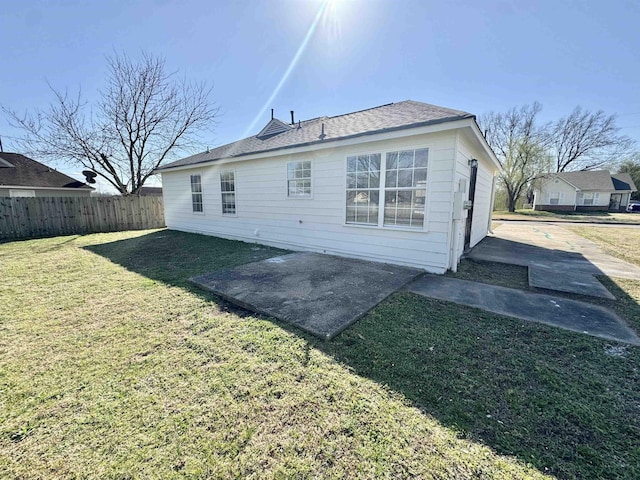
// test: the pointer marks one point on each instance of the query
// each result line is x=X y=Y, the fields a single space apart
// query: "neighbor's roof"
x=150 y=191
x=20 y=171
x=623 y=181
x=598 y=180
x=393 y=116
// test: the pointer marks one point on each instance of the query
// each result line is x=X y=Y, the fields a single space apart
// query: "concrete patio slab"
x=559 y=312
x=568 y=281
x=320 y=294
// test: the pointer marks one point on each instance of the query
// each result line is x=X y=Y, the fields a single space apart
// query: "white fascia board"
x=360 y=139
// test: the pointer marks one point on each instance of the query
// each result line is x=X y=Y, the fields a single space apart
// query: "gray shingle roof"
x=598 y=180
x=393 y=116
x=29 y=173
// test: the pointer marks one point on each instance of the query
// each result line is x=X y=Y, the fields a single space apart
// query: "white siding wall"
x=266 y=215
x=568 y=193
x=484 y=189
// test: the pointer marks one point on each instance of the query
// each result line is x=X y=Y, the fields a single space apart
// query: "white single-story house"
x=596 y=190
x=406 y=183
x=22 y=176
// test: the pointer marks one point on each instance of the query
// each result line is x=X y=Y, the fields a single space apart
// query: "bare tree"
x=144 y=117
x=584 y=140
x=520 y=145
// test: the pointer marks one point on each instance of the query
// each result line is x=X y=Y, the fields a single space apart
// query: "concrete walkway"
x=558 y=259
x=568 y=314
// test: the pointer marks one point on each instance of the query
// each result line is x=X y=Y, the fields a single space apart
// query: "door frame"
x=473 y=178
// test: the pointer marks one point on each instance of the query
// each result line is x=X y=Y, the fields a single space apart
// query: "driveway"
x=557 y=258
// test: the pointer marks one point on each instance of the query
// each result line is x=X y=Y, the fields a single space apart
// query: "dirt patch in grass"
x=112 y=365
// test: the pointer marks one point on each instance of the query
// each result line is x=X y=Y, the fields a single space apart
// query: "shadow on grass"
x=554 y=399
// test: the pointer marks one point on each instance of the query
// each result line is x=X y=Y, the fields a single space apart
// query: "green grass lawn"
x=113 y=366
x=577 y=217
x=623 y=243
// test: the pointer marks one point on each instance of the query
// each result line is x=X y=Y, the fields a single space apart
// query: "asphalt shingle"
x=393 y=116
x=26 y=172
x=593 y=180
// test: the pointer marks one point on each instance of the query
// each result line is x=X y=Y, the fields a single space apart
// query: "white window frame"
x=558 y=200
x=223 y=192
x=382 y=188
x=362 y=189
x=405 y=189
x=196 y=212
x=593 y=198
x=310 y=178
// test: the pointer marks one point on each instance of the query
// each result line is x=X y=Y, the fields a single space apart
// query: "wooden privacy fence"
x=51 y=216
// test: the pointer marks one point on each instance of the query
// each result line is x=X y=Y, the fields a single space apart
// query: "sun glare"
x=327 y=13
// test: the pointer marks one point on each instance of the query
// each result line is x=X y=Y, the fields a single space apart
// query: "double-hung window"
x=554 y=198
x=590 y=198
x=196 y=194
x=299 y=179
x=228 y=192
x=405 y=188
x=363 y=189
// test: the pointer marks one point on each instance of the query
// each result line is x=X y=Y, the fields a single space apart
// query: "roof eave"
x=323 y=141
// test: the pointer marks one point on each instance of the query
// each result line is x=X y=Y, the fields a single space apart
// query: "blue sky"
x=469 y=55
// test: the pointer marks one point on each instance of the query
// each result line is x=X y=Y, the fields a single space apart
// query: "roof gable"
x=385 y=118
x=5 y=164
x=274 y=127
x=623 y=181
x=26 y=172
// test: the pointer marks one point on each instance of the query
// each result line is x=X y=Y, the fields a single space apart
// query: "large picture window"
x=196 y=193
x=363 y=189
x=228 y=192
x=405 y=188
x=299 y=179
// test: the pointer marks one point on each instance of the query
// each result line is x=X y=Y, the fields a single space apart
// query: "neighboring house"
x=21 y=176
x=150 y=191
x=596 y=190
x=387 y=184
